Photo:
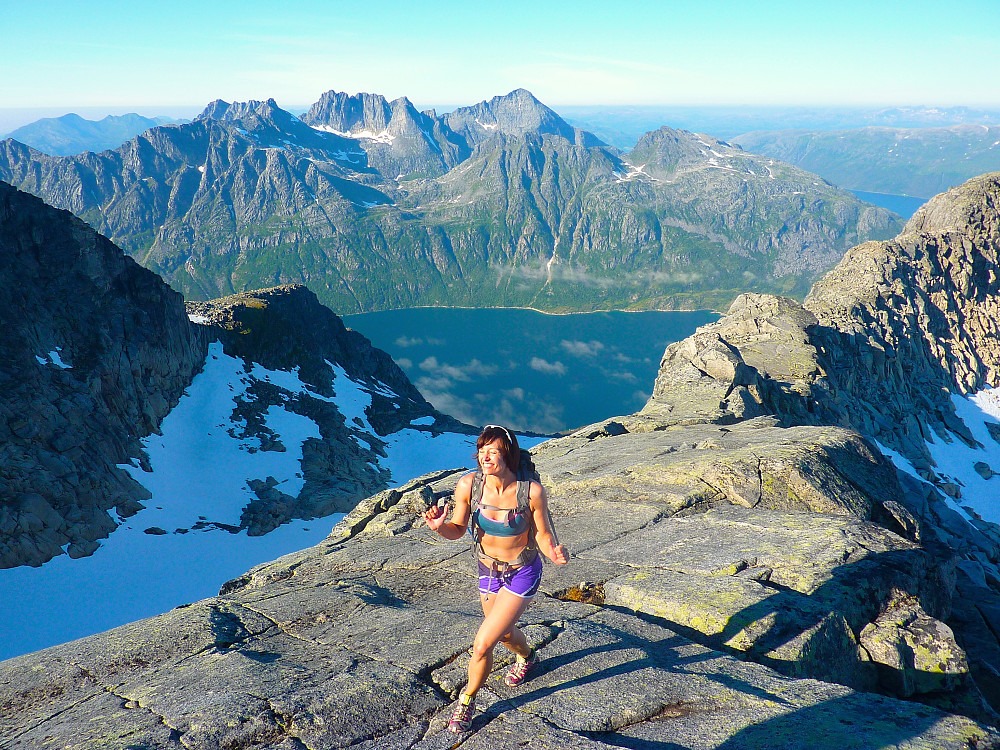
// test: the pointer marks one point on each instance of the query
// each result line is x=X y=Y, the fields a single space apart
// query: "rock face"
x=95 y=351
x=743 y=575
x=375 y=205
x=916 y=318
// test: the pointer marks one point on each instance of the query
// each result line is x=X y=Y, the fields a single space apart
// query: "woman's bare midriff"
x=505 y=548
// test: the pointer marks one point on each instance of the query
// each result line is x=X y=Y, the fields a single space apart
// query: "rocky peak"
x=348 y=113
x=665 y=149
x=518 y=113
x=929 y=299
x=398 y=139
x=254 y=113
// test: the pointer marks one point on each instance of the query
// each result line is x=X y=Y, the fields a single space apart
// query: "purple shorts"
x=522 y=581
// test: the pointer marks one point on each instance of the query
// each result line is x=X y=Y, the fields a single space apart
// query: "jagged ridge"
x=376 y=205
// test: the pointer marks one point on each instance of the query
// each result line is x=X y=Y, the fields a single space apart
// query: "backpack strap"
x=477 y=489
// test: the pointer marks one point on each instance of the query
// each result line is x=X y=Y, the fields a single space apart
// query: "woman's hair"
x=509 y=448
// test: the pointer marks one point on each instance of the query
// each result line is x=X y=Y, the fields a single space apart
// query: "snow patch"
x=634 y=173
x=383 y=136
x=54 y=358
x=955 y=461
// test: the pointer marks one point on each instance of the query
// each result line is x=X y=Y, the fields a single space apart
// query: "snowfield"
x=956 y=462
x=181 y=548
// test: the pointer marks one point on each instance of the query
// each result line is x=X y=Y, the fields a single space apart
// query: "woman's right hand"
x=435 y=516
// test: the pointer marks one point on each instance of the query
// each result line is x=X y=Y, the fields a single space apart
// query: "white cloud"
x=462 y=373
x=582 y=348
x=550 y=368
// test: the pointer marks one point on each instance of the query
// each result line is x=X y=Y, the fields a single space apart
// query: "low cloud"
x=406 y=341
x=515 y=393
x=582 y=348
x=426 y=384
x=628 y=377
x=446 y=402
x=532 y=415
x=559 y=271
x=462 y=373
x=405 y=363
x=549 y=368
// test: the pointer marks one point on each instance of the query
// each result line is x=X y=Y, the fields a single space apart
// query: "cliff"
x=95 y=351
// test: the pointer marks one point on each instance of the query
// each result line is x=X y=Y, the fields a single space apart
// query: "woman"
x=510 y=525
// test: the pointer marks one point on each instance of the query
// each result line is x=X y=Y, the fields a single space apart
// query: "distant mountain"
x=375 y=205
x=903 y=161
x=72 y=134
x=624 y=125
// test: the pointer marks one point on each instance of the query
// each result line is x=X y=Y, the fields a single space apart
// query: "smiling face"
x=491 y=458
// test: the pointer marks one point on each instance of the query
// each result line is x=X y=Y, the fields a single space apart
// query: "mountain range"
x=377 y=205
x=920 y=162
x=72 y=134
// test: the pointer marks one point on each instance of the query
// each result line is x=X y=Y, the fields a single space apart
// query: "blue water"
x=527 y=370
x=904 y=205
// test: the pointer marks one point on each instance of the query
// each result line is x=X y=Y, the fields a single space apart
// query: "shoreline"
x=344 y=316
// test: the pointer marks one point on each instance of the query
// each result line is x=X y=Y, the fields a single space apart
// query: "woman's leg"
x=502 y=611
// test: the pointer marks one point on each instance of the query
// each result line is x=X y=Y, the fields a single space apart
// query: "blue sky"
x=107 y=53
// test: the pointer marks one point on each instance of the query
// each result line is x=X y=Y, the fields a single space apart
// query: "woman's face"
x=491 y=458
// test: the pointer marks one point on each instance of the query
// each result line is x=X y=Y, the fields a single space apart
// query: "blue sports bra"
x=518 y=522
x=515 y=525
x=518 y=519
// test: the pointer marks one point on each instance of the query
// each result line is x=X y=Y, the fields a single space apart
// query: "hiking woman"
x=510 y=525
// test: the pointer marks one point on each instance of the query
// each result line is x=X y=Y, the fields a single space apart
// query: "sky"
x=113 y=54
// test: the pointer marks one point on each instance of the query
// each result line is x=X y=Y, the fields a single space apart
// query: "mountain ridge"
x=432 y=214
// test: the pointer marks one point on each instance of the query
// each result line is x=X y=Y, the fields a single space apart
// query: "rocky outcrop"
x=879 y=347
x=287 y=329
x=95 y=351
x=906 y=323
x=692 y=614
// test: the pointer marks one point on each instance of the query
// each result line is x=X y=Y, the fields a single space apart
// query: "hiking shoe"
x=461 y=720
x=519 y=672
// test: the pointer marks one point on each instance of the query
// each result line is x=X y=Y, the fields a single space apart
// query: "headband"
x=498 y=427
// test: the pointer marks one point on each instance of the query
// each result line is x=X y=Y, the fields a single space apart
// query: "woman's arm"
x=545 y=535
x=454 y=529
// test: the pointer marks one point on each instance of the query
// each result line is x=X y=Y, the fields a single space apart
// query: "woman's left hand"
x=559 y=555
